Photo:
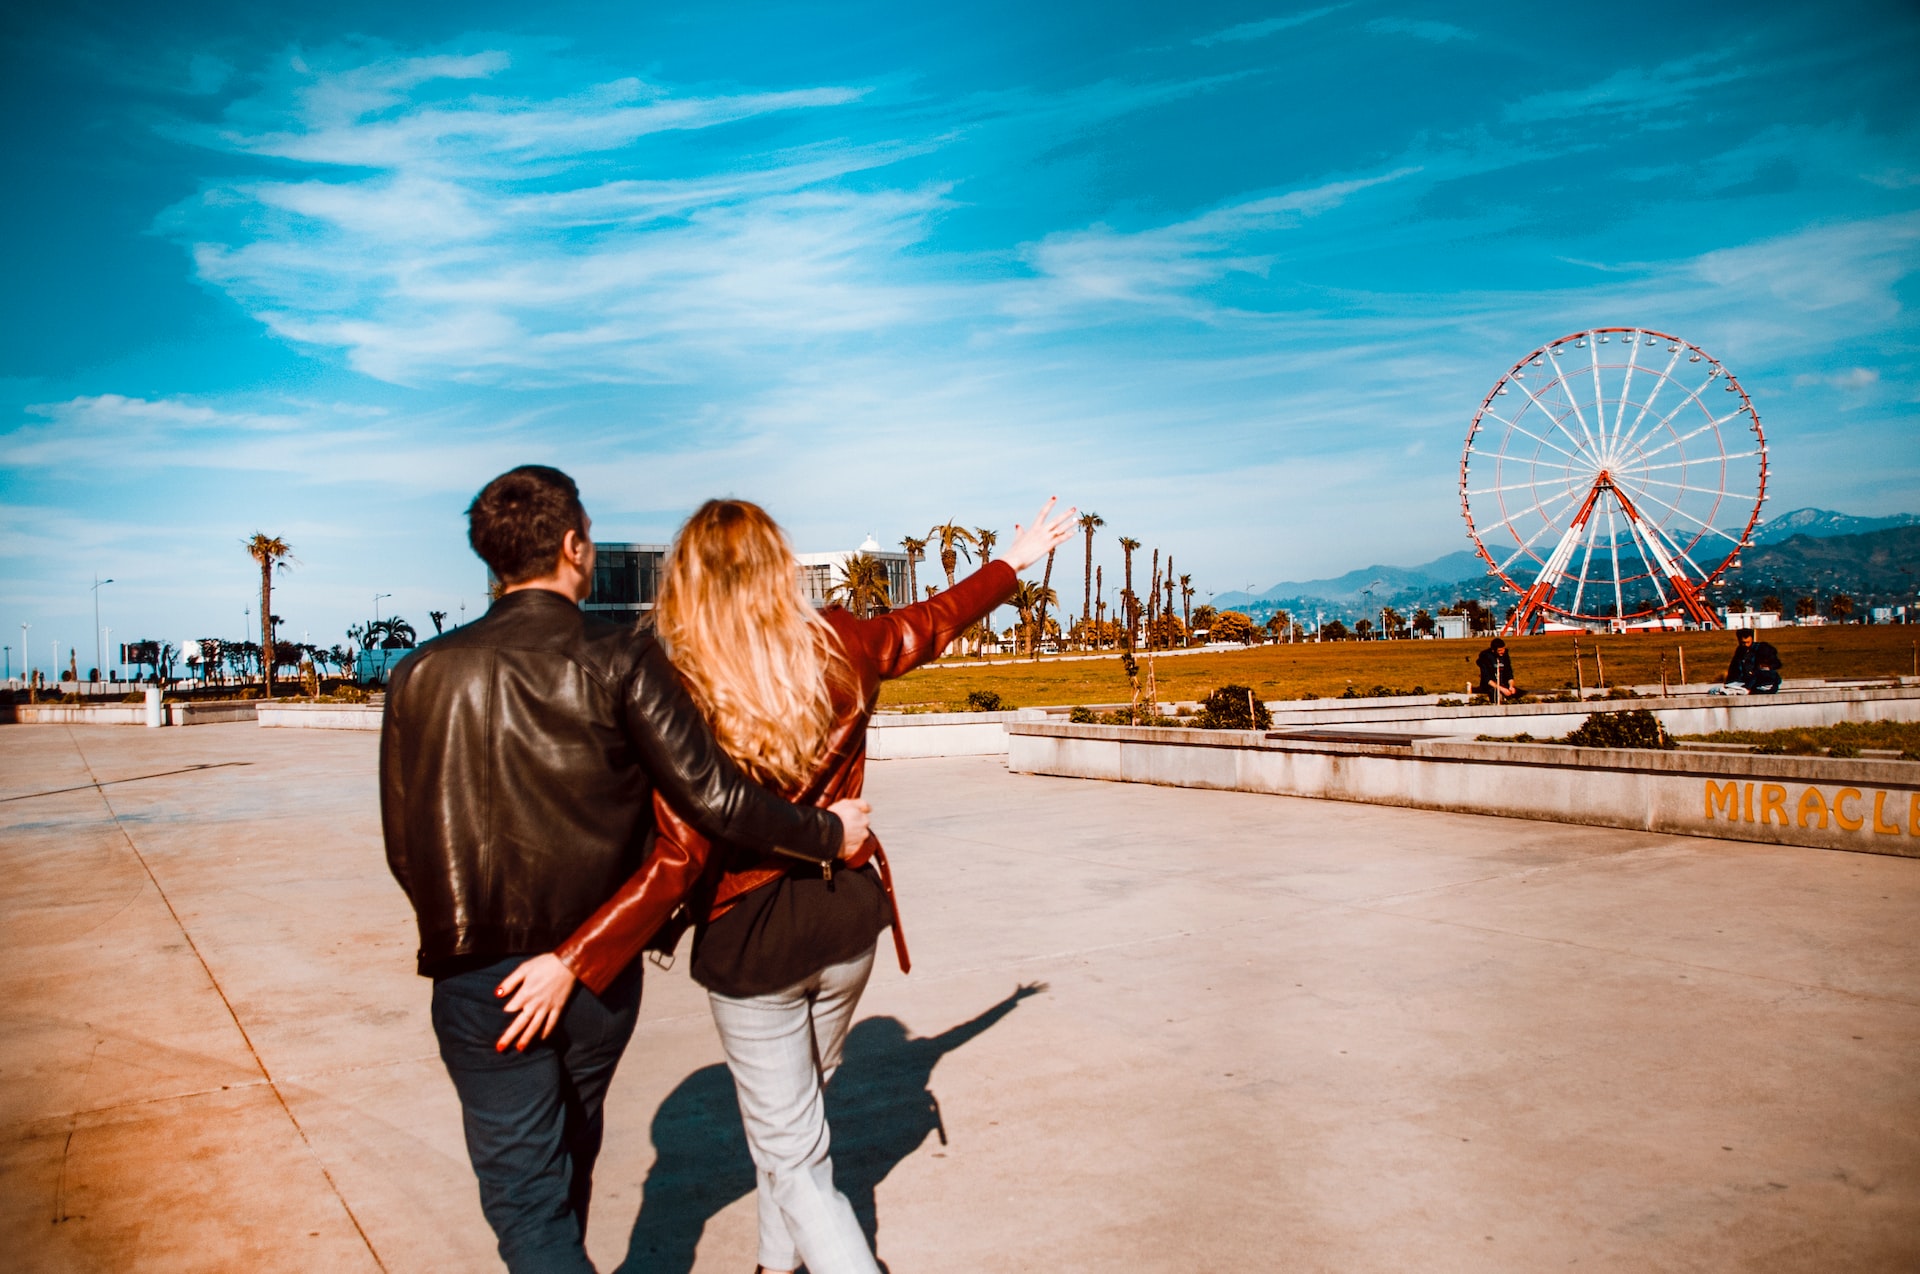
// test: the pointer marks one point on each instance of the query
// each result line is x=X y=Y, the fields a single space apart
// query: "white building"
x=1751 y=618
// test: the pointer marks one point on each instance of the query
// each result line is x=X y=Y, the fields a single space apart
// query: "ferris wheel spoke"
x=1613 y=547
x=1647 y=556
x=1671 y=549
x=1559 y=421
x=1666 y=374
x=1538 y=507
x=1626 y=388
x=1536 y=437
x=1526 y=545
x=1648 y=495
x=1684 y=488
x=1681 y=464
x=1573 y=400
x=1670 y=445
x=1599 y=395
x=1666 y=421
x=1586 y=563
x=1512 y=486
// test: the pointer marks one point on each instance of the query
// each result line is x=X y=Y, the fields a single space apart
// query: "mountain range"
x=1785 y=556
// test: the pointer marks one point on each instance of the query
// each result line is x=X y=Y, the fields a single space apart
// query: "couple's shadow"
x=879 y=1108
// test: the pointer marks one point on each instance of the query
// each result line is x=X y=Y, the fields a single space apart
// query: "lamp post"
x=376 y=605
x=26 y=658
x=9 y=650
x=97 y=582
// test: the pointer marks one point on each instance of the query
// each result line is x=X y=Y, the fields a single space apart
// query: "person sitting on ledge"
x=1755 y=666
x=1496 y=673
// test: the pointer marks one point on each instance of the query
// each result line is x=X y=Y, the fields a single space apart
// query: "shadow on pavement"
x=879 y=1108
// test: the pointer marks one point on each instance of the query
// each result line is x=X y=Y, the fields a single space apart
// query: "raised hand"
x=1031 y=543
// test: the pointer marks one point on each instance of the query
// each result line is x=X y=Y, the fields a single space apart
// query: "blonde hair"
x=755 y=656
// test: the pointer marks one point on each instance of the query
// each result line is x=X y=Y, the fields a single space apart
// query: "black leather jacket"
x=518 y=759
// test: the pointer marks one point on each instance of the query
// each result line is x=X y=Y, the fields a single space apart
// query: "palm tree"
x=1186 y=605
x=439 y=618
x=1046 y=595
x=1031 y=600
x=916 y=553
x=1099 y=603
x=1153 y=590
x=270 y=552
x=862 y=585
x=984 y=538
x=1089 y=523
x=1127 y=598
x=953 y=540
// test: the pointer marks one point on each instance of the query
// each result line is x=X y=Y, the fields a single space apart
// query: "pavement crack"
x=220 y=991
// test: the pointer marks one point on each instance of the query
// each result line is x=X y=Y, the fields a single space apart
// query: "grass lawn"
x=1844 y=739
x=1542 y=664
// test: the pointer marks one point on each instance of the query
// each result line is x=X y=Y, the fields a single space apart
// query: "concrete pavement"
x=1150 y=1028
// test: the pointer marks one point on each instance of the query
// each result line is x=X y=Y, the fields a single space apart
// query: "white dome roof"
x=870 y=545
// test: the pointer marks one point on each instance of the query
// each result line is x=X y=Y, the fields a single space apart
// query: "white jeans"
x=782 y=1049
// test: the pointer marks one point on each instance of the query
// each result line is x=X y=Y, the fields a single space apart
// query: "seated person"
x=1496 y=672
x=1755 y=666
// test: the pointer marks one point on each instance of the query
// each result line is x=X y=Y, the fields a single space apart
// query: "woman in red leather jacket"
x=784 y=947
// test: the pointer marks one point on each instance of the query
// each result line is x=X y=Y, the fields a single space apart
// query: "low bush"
x=1636 y=729
x=1082 y=715
x=985 y=701
x=1233 y=708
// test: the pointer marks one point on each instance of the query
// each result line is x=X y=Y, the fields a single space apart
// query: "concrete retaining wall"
x=1682 y=714
x=1864 y=806
x=897 y=736
x=201 y=713
x=321 y=716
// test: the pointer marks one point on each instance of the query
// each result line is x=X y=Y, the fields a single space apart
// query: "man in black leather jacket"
x=518 y=760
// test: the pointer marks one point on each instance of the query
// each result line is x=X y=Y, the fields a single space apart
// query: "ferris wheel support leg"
x=1538 y=597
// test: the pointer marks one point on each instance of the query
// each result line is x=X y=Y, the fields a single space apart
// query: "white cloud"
x=1421 y=29
x=1265 y=27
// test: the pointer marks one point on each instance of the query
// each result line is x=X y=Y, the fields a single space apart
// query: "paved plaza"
x=1148 y=1029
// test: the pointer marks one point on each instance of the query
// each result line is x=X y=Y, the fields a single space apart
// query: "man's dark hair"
x=1499 y=644
x=519 y=520
x=1743 y=632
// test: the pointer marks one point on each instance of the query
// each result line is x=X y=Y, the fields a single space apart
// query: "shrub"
x=985 y=701
x=1083 y=716
x=1843 y=751
x=1636 y=729
x=1233 y=708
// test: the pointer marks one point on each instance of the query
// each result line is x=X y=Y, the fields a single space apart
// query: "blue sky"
x=1234 y=276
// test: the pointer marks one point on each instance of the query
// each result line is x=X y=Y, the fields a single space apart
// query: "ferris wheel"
x=1611 y=476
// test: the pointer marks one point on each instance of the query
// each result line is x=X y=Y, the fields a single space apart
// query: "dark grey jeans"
x=533 y=1119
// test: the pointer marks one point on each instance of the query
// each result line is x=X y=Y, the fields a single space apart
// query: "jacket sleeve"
x=620 y=930
x=702 y=782
x=393 y=787
x=913 y=635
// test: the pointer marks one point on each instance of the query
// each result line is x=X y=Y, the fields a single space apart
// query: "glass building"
x=626 y=577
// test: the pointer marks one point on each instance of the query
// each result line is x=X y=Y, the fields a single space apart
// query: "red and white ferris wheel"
x=1611 y=476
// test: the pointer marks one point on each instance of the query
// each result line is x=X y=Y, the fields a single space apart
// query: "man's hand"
x=539 y=988
x=853 y=814
x=1031 y=543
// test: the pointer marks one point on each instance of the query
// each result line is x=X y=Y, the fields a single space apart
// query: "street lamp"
x=26 y=658
x=376 y=605
x=97 y=582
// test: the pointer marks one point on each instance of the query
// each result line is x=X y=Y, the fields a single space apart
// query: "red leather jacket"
x=678 y=869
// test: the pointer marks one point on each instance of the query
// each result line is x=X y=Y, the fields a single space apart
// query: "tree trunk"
x=266 y=623
x=1040 y=626
x=1086 y=596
